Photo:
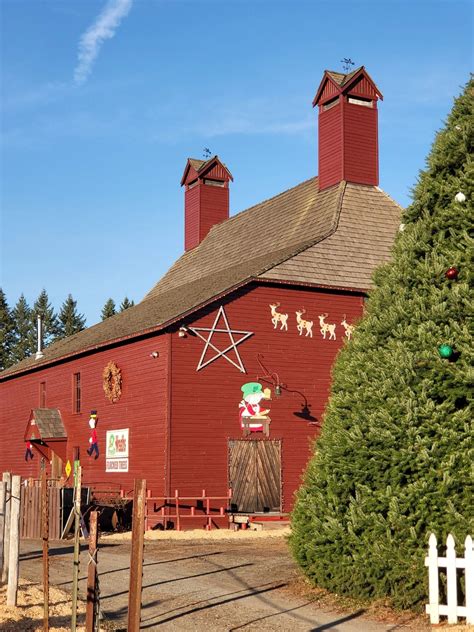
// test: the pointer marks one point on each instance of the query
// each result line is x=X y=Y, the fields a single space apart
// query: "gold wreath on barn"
x=112 y=382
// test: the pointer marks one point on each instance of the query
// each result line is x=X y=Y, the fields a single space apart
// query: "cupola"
x=206 y=198
x=347 y=128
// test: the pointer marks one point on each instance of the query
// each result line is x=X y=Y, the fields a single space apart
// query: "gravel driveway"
x=200 y=585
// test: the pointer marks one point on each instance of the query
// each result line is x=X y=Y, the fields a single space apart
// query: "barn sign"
x=117 y=450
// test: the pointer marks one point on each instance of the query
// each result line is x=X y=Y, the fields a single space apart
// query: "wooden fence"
x=451 y=563
x=30 y=515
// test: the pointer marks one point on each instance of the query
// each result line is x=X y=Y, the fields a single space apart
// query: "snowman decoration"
x=250 y=407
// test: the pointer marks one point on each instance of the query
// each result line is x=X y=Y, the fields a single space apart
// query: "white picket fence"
x=452 y=610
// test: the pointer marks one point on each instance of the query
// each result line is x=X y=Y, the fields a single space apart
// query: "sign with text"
x=117 y=450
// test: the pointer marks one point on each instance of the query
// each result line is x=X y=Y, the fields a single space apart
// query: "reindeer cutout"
x=304 y=324
x=277 y=317
x=327 y=328
x=349 y=329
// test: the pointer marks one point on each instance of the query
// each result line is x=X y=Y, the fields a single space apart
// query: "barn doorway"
x=255 y=475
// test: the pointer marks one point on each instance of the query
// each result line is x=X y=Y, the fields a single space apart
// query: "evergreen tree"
x=70 y=321
x=394 y=460
x=125 y=304
x=44 y=308
x=21 y=315
x=108 y=309
x=7 y=335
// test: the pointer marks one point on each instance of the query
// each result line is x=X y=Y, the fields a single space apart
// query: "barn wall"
x=204 y=404
x=142 y=408
x=330 y=147
x=360 y=144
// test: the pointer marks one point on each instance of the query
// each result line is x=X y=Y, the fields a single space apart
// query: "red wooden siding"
x=363 y=87
x=330 y=148
x=204 y=404
x=329 y=90
x=205 y=206
x=360 y=144
x=143 y=408
x=217 y=172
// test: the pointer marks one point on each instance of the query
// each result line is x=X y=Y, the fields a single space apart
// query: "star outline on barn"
x=221 y=353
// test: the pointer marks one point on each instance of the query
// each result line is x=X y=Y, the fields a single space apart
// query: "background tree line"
x=18 y=333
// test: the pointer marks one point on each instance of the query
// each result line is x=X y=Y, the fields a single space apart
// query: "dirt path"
x=201 y=585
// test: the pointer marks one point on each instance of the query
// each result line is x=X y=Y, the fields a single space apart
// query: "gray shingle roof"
x=49 y=423
x=334 y=237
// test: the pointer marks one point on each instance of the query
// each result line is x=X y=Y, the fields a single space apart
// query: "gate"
x=255 y=475
x=30 y=512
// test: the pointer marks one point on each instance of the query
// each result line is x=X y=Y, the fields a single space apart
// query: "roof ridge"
x=389 y=197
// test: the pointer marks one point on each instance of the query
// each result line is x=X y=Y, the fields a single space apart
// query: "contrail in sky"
x=102 y=29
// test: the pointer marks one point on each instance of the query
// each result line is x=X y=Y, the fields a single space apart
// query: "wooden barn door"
x=255 y=475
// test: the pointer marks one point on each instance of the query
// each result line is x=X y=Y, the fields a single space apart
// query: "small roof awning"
x=44 y=424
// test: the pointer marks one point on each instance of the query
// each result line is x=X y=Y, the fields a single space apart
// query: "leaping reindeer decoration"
x=349 y=329
x=277 y=317
x=304 y=324
x=327 y=328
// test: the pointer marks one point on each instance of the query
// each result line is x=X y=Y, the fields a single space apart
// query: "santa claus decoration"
x=250 y=409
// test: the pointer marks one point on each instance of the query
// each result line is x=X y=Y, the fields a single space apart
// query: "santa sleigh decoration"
x=252 y=417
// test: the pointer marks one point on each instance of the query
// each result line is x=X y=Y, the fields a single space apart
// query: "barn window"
x=76 y=395
x=192 y=185
x=330 y=104
x=42 y=395
x=365 y=102
x=214 y=183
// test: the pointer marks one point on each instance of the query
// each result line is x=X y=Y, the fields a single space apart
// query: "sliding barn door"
x=255 y=475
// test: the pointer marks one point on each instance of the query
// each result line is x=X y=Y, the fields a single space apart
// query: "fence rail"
x=451 y=563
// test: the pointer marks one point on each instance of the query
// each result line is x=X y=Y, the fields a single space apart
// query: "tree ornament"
x=401 y=228
x=458 y=127
x=460 y=197
x=451 y=273
x=445 y=351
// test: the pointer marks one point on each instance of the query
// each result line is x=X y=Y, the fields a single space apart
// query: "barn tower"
x=348 y=128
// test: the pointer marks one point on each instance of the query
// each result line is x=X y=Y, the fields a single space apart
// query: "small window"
x=192 y=185
x=76 y=396
x=365 y=102
x=214 y=183
x=330 y=104
x=42 y=395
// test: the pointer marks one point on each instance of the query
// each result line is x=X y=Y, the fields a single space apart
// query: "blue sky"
x=104 y=101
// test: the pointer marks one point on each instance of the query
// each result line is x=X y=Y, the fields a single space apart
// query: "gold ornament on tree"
x=112 y=382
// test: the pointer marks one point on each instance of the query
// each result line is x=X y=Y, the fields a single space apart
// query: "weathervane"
x=206 y=152
x=347 y=63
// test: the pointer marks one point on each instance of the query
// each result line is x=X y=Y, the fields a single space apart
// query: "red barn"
x=180 y=381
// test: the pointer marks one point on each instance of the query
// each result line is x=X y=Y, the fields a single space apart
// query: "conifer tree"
x=70 y=321
x=394 y=460
x=108 y=309
x=21 y=347
x=126 y=303
x=43 y=307
x=7 y=336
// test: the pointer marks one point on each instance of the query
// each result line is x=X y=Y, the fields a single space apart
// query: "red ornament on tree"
x=451 y=273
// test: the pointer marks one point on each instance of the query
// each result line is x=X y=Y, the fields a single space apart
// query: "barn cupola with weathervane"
x=347 y=128
x=206 y=198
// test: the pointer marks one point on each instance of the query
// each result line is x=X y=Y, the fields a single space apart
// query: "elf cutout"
x=250 y=405
x=29 y=451
x=93 y=438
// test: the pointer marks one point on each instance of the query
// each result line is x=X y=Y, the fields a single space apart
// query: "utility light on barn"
x=154 y=355
x=182 y=332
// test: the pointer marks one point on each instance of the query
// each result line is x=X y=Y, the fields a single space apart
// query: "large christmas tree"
x=395 y=458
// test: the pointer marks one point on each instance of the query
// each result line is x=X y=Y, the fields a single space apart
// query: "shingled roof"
x=334 y=237
x=49 y=423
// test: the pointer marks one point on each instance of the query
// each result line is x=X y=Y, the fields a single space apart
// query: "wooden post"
x=7 y=479
x=45 y=536
x=469 y=557
x=13 y=557
x=136 y=556
x=3 y=494
x=451 y=580
x=432 y=563
x=77 y=527
x=92 y=574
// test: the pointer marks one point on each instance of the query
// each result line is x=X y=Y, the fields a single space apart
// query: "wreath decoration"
x=112 y=382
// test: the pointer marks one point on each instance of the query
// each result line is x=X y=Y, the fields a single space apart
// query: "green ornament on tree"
x=445 y=351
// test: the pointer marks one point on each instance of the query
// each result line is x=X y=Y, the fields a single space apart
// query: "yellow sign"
x=68 y=468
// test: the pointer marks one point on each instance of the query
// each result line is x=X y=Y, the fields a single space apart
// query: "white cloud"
x=102 y=29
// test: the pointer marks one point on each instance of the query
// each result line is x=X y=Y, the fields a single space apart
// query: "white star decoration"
x=212 y=330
